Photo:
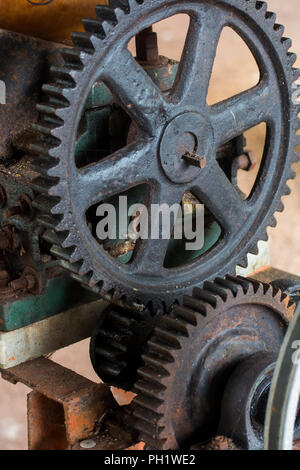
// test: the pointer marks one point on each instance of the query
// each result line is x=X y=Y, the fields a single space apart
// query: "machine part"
x=63 y=407
x=147 y=46
x=217 y=443
x=245 y=399
x=193 y=352
x=54 y=21
x=117 y=343
x=101 y=54
x=48 y=335
x=26 y=63
x=283 y=410
x=256 y=262
x=29 y=281
x=290 y=287
x=61 y=293
x=40 y=4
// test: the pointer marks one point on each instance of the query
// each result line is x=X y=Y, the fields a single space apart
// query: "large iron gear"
x=193 y=353
x=66 y=192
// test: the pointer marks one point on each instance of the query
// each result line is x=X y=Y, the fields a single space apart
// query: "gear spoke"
x=151 y=254
x=136 y=91
x=222 y=199
x=236 y=115
x=118 y=172
x=198 y=57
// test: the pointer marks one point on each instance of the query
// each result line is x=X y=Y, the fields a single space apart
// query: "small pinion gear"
x=117 y=344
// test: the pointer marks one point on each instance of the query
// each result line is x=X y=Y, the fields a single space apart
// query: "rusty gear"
x=100 y=53
x=192 y=353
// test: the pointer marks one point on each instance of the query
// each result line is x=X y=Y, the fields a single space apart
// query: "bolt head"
x=88 y=444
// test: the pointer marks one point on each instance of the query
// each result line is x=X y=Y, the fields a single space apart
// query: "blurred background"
x=235 y=70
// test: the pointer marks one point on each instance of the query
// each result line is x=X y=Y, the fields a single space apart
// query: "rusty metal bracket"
x=64 y=407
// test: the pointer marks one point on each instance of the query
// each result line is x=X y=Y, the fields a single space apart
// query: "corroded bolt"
x=193 y=159
x=26 y=282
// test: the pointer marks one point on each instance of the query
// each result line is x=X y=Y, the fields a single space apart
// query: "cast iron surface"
x=193 y=352
x=117 y=344
x=155 y=156
x=244 y=401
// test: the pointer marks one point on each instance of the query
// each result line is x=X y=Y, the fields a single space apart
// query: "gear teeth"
x=292 y=57
x=52 y=237
x=59 y=92
x=63 y=76
x=150 y=389
x=111 y=369
x=264 y=235
x=262 y=7
x=215 y=290
x=51 y=113
x=108 y=27
x=160 y=347
x=158 y=363
x=84 y=268
x=120 y=4
x=73 y=58
x=243 y=263
x=195 y=305
x=229 y=285
x=42 y=149
x=149 y=404
x=205 y=296
x=164 y=336
x=271 y=18
x=60 y=253
x=119 y=337
x=240 y=281
x=42 y=185
x=76 y=256
x=149 y=416
x=175 y=324
x=106 y=13
x=154 y=378
x=93 y=281
x=279 y=29
x=84 y=41
x=45 y=129
x=43 y=204
x=147 y=373
x=296 y=74
x=147 y=434
x=272 y=223
x=41 y=166
x=93 y=26
x=287 y=43
x=47 y=221
x=188 y=314
x=248 y=281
